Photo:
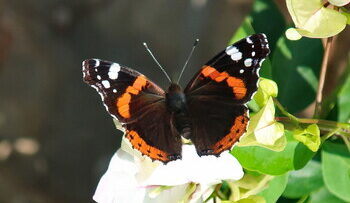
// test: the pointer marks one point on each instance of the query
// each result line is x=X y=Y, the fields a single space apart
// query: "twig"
x=346 y=141
x=322 y=77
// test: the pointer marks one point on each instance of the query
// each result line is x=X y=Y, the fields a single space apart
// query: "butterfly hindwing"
x=138 y=104
x=218 y=93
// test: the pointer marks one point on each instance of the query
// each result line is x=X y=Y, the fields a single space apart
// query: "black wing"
x=139 y=105
x=218 y=93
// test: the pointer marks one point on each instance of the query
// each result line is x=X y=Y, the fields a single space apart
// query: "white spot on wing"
x=249 y=40
x=248 y=62
x=234 y=53
x=253 y=53
x=115 y=90
x=97 y=62
x=106 y=84
x=98 y=77
x=113 y=71
x=241 y=71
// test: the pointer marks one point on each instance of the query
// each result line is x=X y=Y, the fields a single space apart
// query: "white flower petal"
x=172 y=195
x=202 y=193
x=129 y=178
x=192 y=168
x=118 y=183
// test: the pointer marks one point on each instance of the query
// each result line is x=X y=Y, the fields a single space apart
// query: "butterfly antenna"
x=154 y=58
x=188 y=58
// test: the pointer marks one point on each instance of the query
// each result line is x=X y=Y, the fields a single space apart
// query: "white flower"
x=133 y=178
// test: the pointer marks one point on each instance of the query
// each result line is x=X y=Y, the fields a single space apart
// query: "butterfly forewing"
x=218 y=93
x=138 y=104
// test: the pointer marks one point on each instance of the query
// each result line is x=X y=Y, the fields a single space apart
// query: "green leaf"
x=304 y=181
x=263 y=130
x=314 y=20
x=295 y=67
x=262 y=13
x=293 y=34
x=302 y=156
x=264 y=126
x=266 y=89
x=346 y=13
x=301 y=11
x=309 y=136
x=343 y=99
x=243 y=31
x=265 y=161
x=336 y=170
x=251 y=199
x=275 y=188
x=324 y=196
x=339 y=2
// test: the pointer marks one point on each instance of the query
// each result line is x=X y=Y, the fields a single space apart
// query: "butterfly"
x=210 y=111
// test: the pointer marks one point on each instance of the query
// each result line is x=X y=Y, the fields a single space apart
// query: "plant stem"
x=329 y=134
x=284 y=111
x=346 y=141
x=322 y=77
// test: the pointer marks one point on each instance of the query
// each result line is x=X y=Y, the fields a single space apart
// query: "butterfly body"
x=210 y=111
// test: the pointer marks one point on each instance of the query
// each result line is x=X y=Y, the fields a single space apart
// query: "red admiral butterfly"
x=211 y=111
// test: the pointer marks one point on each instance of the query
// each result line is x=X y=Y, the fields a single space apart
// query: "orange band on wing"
x=123 y=103
x=236 y=131
x=237 y=85
x=138 y=143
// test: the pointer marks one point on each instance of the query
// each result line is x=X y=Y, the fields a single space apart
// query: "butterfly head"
x=175 y=98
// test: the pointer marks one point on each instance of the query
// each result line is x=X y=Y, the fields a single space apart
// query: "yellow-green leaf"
x=313 y=20
x=301 y=10
x=347 y=15
x=309 y=136
x=267 y=130
x=324 y=23
x=339 y=2
x=293 y=34
x=266 y=89
x=264 y=131
x=252 y=199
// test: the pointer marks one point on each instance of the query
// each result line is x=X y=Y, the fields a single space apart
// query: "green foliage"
x=309 y=136
x=266 y=161
x=339 y=2
x=324 y=196
x=295 y=70
x=314 y=20
x=274 y=189
x=304 y=181
x=343 y=98
x=336 y=170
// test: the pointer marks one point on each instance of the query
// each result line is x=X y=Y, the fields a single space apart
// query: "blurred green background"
x=56 y=138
